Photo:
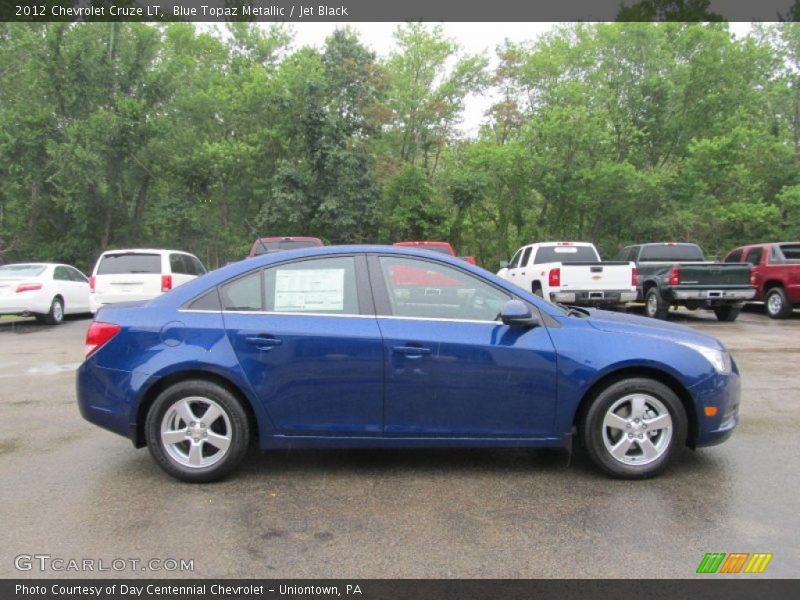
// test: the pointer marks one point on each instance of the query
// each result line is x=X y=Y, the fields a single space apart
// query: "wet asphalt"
x=73 y=491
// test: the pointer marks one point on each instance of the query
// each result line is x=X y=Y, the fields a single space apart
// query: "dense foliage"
x=128 y=134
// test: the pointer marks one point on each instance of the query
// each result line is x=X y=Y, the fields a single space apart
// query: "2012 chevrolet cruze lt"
x=374 y=346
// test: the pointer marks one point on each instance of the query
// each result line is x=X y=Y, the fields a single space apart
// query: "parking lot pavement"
x=71 y=490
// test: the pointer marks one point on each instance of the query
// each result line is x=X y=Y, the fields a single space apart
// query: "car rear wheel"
x=727 y=313
x=55 y=316
x=197 y=431
x=777 y=304
x=654 y=306
x=634 y=427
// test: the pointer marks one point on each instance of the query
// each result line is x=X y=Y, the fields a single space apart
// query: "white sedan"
x=45 y=290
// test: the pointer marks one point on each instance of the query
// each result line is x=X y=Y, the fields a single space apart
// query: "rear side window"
x=734 y=257
x=208 y=301
x=754 y=256
x=177 y=263
x=199 y=269
x=119 y=264
x=565 y=254
x=243 y=294
x=61 y=274
x=791 y=252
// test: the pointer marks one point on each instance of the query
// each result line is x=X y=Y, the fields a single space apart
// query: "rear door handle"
x=264 y=342
x=412 y=351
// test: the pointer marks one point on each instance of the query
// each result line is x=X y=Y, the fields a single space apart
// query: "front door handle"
x=264 y=342
x=412 y=351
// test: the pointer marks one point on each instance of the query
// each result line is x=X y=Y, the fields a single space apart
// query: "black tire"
x=654 y=305
x=235 y=417
x=55 y=315
x=595 y=435
x=537 y=289
x=727 y=313
x=776 y=304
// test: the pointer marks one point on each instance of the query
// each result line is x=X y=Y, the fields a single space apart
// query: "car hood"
x=615 y=322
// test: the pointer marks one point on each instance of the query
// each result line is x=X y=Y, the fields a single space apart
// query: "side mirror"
x=517 y=314
x=503 y=264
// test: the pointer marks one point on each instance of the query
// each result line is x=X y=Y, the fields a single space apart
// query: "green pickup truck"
x=677 y=274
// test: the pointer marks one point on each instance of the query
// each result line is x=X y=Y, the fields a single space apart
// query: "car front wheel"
x=634 y=427
x=197 y=431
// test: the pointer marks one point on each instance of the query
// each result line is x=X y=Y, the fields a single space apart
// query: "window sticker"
x=309 y=290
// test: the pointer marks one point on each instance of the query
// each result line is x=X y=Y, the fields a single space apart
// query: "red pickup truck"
x=775 y=272
x=443 y=247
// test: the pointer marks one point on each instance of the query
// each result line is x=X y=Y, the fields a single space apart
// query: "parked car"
x=129 y=275
x=571 y=273
x=442 y=247
x=265 y=245
x=320 y=348
x=775 y=271
x=677 y=274
x=47 y=291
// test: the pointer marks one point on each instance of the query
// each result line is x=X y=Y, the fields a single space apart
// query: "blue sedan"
x=375 y=346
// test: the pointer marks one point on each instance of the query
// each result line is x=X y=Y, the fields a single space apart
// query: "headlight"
x=719 y=359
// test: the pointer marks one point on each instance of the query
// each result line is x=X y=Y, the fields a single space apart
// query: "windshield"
x=263 y=247
x=672 y=253
x=565 y=254
x=119 y=264
x=9 y=271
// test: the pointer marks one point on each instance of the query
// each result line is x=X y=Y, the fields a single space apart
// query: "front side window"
x=177 y=263
x=76 y=275
x=321 y=285
x=734 y=257
x=428 y=290
x=515 y=261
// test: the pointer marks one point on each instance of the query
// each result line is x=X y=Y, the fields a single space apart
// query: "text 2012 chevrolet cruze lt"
x=374 y=346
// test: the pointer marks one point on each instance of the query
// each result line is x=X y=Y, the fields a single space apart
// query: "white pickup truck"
x=572 y=273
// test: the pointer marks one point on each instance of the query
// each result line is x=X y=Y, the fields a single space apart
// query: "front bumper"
x=722 y=392
x=594 y=297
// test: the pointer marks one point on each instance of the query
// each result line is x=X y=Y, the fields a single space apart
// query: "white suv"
x=125 y=275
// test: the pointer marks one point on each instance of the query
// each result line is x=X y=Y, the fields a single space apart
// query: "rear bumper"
x=594 y=297
x=108 y=397
x=18 y=304
x=714 y=295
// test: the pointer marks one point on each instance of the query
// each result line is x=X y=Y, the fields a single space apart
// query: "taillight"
x=471 y=260
x=166 y=283
x=99 y=333
x=554 y=278
x=91 y=284
x=674 y=276
x=634 y=277
x=28 y=287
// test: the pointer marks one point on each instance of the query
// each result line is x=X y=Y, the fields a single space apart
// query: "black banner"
x=298 y=11
x=711 y=588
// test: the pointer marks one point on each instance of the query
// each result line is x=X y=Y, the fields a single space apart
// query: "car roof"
x=193 y=288
x=145 y=251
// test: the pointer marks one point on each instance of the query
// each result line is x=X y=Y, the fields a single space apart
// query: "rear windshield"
x=791 y=252
x=265 y=247
x=676 y=253
x=20 y=271
x=119 y=264
x=565 y=254
x=431 y=248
